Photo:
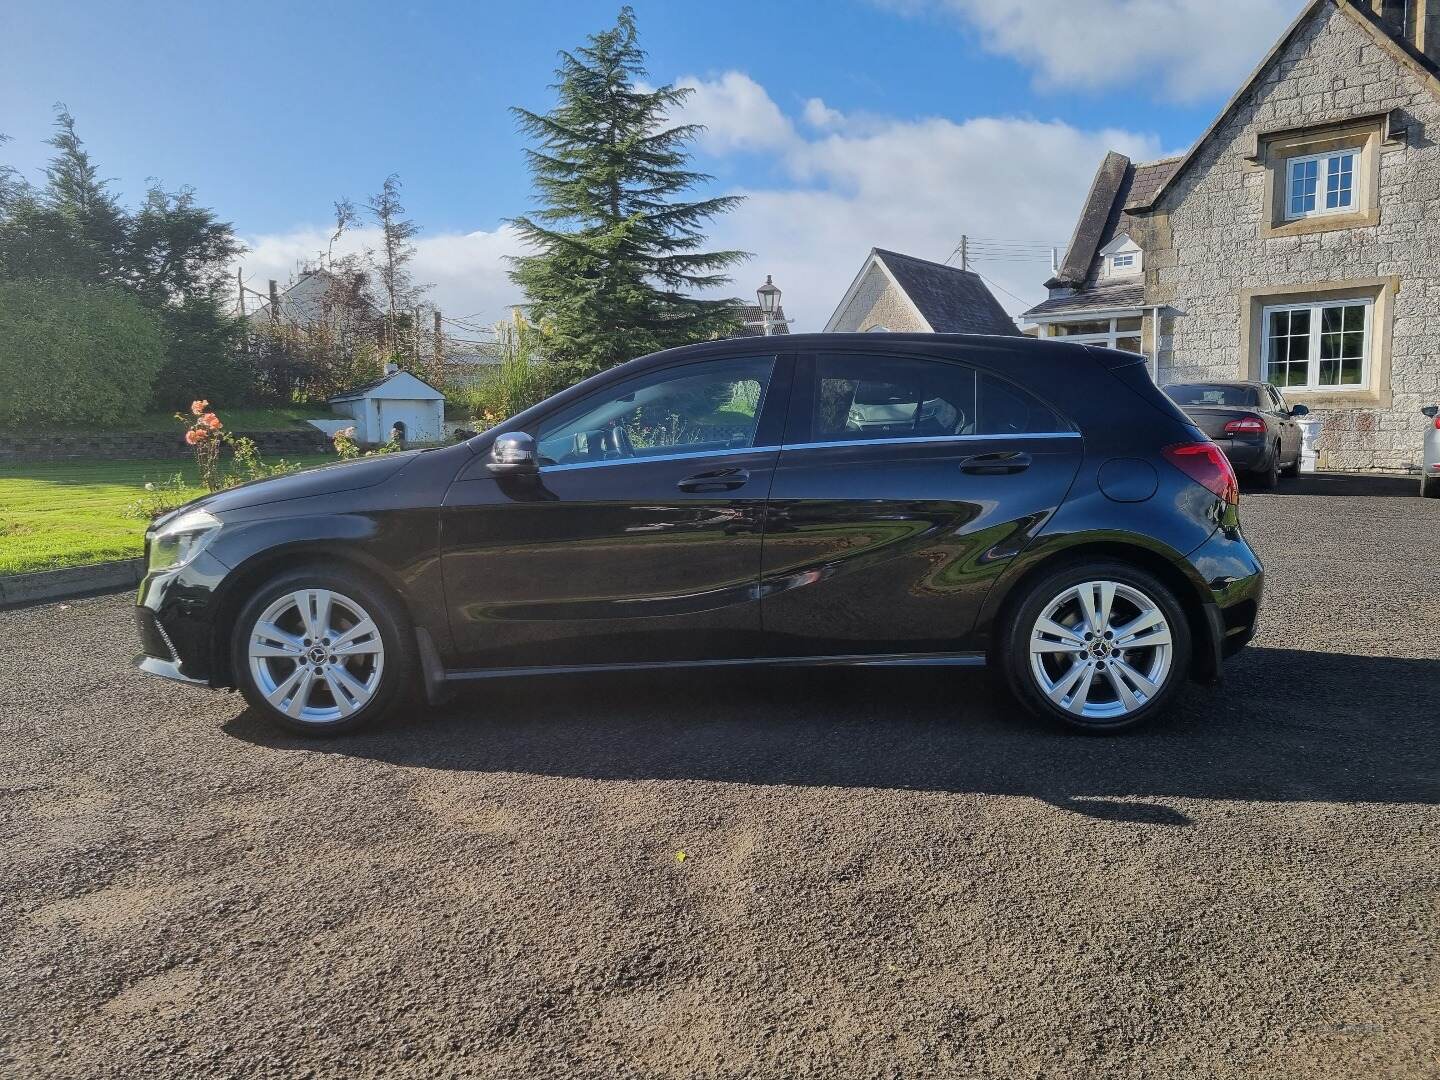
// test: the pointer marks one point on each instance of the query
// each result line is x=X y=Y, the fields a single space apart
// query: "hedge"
x=72 y=353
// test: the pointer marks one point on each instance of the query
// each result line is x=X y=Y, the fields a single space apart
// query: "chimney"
x=1415 y=22
x=391 y=369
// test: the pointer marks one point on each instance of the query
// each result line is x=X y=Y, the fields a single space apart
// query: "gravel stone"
x=887 y=873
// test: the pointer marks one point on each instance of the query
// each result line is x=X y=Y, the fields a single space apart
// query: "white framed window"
x=1116 y=332
x=1319 y=346
x=1321 y=184
x=1122 y=258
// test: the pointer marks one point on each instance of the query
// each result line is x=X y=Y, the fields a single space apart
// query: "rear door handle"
x=998 y=464
x=719 y=480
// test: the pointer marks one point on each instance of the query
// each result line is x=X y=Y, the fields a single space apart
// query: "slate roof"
x=753 y=321
x=1102 y=299
x=1119 y=186
x=952 y=301
x=375 y=384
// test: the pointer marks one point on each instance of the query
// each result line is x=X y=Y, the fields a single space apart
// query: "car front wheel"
x=322 y=653
x=1098 y=646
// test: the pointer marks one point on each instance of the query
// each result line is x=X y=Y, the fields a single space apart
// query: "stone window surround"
x=1274 y=150
x=1381 y=290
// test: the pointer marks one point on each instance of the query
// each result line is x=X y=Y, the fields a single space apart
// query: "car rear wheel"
x=1268 y=475
x=1430 y=487
x=1099 y=646
x=322 y=653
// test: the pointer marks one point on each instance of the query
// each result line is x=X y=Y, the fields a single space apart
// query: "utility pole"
x=240 y=290
x=274 y=301
x=1054 y=260
x=439 y=336
x=964 y=252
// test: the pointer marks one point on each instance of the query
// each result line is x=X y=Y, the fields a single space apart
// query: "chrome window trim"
x=728 y=452
x=731 y=451
x=910 y=439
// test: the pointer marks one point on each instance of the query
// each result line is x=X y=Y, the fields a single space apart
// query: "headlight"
x=180 y=540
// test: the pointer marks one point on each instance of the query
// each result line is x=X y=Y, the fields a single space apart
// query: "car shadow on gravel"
x=1287 y=726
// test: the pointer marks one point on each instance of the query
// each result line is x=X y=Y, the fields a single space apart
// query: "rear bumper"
x=1244 y=456
x=1235 y=585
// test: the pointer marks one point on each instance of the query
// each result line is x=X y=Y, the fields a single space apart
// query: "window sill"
x=1336 y=399
x=1321 y=223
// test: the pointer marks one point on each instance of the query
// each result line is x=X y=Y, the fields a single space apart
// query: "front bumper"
x=174 y=615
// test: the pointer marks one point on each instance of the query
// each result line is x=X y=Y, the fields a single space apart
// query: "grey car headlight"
x=179 y=540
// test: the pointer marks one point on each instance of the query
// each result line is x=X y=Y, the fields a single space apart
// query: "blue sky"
x=270 y=111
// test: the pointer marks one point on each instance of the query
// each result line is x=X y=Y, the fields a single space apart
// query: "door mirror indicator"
x=1299 y=410
x=514 y=454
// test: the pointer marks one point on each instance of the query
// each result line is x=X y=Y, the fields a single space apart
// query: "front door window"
x=695 y=409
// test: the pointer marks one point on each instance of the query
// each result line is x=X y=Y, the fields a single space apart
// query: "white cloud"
x=737 y=114
x=912 y=185
x=845 y=182
x=1187 y=49
x=820 y=116
x=468 y=270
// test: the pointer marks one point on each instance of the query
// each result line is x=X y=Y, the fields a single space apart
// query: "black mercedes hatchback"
x=809 y=500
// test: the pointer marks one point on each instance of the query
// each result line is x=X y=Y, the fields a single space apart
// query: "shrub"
x=203 y=350
x=71 y=353
x=520 y=380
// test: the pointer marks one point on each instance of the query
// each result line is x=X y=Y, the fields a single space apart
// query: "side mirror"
x=1431 y=411
x=514 y=454
x=1299 y=410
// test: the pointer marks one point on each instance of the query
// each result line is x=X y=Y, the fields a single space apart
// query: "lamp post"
x=769 y=297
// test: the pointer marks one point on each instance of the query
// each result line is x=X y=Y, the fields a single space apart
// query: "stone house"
x=1297 y=241
x=903 y=294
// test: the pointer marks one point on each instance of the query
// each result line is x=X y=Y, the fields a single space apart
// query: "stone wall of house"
x=879 y=303
x=158 y=445
x=1211 y=253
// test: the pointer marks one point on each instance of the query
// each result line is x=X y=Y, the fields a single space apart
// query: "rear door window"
x=863 y=397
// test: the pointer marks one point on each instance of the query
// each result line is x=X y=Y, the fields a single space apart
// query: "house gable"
x=1270 y=70
x=875 y=301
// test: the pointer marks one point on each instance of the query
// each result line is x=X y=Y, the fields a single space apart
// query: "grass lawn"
x=241 y=421
x=70 y=513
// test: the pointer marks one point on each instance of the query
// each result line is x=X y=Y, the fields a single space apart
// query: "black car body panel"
x=789 y=549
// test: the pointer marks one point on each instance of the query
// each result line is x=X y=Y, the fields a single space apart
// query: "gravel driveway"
x=886 y=874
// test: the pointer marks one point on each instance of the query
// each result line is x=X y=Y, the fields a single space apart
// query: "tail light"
x=1437 y=421
x=1246 y=425
x=1207 y=466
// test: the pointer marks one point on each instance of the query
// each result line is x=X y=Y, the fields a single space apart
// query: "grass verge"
x=70 y=513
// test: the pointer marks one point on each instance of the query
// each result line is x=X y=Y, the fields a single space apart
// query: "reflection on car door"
x=1290 y=433
x=639 y=542
x=904 y=486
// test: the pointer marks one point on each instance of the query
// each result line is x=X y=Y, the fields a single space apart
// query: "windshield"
x=1212 y=394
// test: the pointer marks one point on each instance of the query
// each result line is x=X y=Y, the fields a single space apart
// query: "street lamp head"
x=769 y=296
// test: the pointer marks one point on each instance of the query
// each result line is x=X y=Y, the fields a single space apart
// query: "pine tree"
x=396 y=234
x=616 y=248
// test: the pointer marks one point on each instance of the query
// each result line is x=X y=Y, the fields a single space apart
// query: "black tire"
x=1430 y=487
x=1267 y=476
x=397 y=660
x=1015 y=658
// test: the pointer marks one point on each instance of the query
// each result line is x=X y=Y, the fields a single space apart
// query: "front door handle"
x=719 y=480
x=998 y=464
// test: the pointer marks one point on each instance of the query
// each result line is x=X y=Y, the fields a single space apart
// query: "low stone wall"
x=121 y=446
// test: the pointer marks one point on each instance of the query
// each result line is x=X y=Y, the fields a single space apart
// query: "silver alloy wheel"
x=316 y=655
x=1101 y=650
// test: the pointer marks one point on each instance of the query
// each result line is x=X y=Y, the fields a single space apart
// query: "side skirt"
x=958 y=659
